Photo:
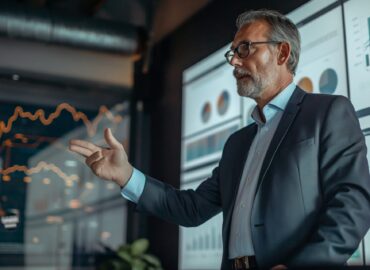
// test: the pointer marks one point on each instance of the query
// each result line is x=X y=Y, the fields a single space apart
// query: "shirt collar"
x=278 y=103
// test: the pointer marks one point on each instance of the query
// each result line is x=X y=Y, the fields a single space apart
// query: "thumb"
x=111 y=140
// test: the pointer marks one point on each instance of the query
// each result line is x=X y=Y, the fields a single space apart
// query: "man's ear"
x=284 y=53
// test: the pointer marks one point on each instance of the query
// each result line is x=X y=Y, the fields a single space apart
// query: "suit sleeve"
x=345 y=184
x=183 y=207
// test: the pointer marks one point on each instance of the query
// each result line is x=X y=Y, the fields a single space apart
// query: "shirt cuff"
x=135 y=186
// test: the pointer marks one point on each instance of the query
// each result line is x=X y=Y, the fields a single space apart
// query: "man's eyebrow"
x=232 y=47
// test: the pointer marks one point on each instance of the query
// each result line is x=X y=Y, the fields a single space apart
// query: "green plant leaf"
x=124 y=248
x=138 y=264
x=118 y=265
x=139 y=246
x=125 y=255
x=105 y=266
x=155 y=268
x=151 y=259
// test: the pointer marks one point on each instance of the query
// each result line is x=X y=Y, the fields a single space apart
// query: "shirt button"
x=243 y=205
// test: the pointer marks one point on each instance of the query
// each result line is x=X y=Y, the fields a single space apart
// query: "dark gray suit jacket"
x=312 y=204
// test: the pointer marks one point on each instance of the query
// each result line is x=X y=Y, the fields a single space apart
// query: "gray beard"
x=251 y=89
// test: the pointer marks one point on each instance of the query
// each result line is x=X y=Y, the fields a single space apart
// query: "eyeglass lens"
x=242 y=50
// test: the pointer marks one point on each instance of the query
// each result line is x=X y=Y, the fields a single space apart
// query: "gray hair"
x=281 y=29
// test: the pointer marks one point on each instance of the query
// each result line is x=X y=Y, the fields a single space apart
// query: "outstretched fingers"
x=80 y=150
x=83 y=148
x=111 y=140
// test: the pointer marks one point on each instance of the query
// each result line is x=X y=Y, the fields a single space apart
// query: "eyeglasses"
x=244 y=48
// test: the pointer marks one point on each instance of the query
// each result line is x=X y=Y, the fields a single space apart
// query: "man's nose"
x=236 y=61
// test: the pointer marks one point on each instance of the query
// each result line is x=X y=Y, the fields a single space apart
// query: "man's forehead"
x=254 y=31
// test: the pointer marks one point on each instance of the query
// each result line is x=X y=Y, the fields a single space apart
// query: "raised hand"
x=107 y=163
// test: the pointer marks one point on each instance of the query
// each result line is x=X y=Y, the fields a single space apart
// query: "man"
x=293 y=187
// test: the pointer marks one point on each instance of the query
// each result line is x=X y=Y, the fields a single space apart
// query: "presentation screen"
x=322 y=65
x=212 y=111
x=357 y=18
x=357 y=27
x=201 y=246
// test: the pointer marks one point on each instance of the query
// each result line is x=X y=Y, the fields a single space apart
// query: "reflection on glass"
x=53 y=210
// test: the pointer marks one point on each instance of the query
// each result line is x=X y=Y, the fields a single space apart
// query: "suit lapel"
x=242 y=153
x=286 y=121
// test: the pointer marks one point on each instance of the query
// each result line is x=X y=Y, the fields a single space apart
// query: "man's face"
x=258 y=71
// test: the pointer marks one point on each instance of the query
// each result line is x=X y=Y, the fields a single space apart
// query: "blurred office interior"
x=70 y=68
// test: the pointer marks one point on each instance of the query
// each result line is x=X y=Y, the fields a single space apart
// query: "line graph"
x=25 y=141
x=34 y=141
x=20 y=140
x=6 y=127
x=41 y=166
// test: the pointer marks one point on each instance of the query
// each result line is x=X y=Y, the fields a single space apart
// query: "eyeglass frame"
x=249 y=43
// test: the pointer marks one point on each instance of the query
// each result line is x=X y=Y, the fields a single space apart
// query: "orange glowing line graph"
x=42 y=165
x=8 y=144
x=25 y=141
x=76 y=115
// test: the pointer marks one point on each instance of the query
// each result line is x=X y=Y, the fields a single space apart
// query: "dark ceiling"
x=28 y=24
x=157 y=17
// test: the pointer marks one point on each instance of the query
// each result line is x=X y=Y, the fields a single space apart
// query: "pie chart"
x=223 y=102
x=306 y=84
x=328 y=81
x=206 y=112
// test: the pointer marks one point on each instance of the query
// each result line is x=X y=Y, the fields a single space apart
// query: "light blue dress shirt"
x=135 y=186
x=240 y=243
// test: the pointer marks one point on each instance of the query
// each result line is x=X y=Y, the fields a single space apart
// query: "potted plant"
x=132 y=257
